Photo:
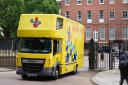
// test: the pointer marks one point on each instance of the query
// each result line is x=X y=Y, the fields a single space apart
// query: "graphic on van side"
x=35 y=22
x=70 y=49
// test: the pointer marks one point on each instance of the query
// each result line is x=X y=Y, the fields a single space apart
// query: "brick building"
x=104 y=19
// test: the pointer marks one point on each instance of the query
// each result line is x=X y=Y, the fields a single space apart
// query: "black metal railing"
x=107 y=55
x=7 y=54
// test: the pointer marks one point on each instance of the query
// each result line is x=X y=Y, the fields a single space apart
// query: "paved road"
x=82 y=78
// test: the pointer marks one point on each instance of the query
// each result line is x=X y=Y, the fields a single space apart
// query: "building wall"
x=118 y=22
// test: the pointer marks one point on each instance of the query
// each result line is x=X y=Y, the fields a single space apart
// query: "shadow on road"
x=48 y=78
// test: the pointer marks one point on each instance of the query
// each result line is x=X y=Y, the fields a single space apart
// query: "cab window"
x=57 y=46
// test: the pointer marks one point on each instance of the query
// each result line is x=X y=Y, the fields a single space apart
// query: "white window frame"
x=123 y=14
x=100 y=2
x=111 y=1
x=67 y=3
x=89 y=19
x=125 y=33
x=110 y=14
x=112 y=33
x=66 y=14
x=101 y=14
x=124 y=1
x=90 y=14
x=95 y=35
x=102 y=33
x=78 y=2
x=79 y=16
x=88 y=32
x=101 y=20
x=89 y=3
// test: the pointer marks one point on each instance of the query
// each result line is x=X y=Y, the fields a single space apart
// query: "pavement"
x=109 y=77
x=5 y=69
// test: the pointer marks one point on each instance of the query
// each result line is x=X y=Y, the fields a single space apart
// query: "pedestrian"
x=123 y=66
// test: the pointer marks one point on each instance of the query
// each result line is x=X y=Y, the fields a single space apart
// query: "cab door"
x=56 y=50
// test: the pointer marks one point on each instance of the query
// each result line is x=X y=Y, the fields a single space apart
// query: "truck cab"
x=35 y=55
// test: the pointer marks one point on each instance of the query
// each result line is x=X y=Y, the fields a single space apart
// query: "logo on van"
x=35 y=22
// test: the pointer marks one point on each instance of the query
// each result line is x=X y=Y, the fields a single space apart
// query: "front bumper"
x=46 y=72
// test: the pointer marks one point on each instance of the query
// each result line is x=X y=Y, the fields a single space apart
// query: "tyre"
x=24 y=77
x=76 y=69
x=56 y=73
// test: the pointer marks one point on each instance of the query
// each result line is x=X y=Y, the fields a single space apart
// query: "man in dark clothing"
x=123 y=66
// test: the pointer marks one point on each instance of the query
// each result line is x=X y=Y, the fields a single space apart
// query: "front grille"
x=32 y=67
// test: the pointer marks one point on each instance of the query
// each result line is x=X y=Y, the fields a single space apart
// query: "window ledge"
x=79 y=4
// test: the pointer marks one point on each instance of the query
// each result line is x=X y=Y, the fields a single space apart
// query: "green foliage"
x=10 y=11
x=42 y=6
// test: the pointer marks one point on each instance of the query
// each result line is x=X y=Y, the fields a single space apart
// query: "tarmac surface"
x=82 y=78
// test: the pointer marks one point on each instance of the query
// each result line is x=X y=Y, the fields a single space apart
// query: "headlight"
x=32 y=61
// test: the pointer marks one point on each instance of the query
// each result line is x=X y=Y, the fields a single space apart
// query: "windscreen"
x=35 y=45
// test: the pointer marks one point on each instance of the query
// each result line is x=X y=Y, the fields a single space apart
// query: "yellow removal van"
x=50 y=45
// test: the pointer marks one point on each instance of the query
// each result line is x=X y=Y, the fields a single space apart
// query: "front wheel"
x=24 y=77
x=56 y=73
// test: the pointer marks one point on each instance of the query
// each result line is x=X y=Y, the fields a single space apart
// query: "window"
x=56 y=46
x=79 y=2
x=102 y=34
x=111 y=1
x=101 y=1
x=59 y=23
x=89 y=15
x=124 y=1
x=29 y=45
x=112 y=33
x=88 y=33
x=89 y=2
x=112 y=14
x=79 y=16
x=125 y=32
x=67 y=2
x=101 y=14
x=125 y=14
x=95 y=35
x=67 y=14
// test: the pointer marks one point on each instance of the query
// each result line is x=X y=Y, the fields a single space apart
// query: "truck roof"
x=42 y=25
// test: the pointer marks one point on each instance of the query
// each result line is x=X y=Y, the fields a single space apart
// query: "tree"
x=10 y=11
x=41 y=6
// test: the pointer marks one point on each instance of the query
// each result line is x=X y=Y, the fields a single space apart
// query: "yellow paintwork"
x=47 y=29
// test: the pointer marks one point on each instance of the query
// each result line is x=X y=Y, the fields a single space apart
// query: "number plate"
x=32 y=75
